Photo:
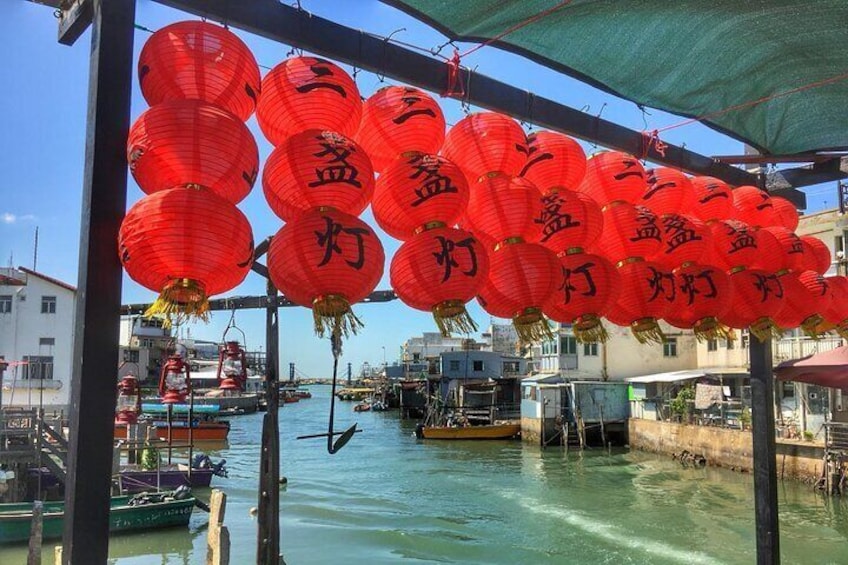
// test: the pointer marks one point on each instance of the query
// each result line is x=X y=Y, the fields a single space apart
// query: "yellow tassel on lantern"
x=647 y=330
x=531 y=326
x=589 y=329
x=764 y=329
x=811 y=326
x=452 y=317
x=332 y=315
x=710 y=328
x=181 y=300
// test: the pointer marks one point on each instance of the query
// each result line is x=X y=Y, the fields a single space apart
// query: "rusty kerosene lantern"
x=232 y=367
x=129 y=401
x=175 y=381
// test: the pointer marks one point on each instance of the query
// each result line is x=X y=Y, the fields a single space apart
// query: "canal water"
x=389 y=498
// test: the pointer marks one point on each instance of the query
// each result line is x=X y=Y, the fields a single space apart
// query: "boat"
x=487 y=431
x=362 y=407
x=134 y=478
x=128 y=513
x=201 y=431
x=359 y=393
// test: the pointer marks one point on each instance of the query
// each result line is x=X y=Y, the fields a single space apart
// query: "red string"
x=652 y=140
x=453 y=77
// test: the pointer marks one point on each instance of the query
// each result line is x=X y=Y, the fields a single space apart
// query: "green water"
x=387 y=497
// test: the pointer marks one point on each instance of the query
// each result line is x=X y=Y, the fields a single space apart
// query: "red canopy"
x=828 y=369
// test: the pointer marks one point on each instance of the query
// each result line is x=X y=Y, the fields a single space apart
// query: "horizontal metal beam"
x=253 y=303
x=758 y=159
x=280 y=22
x=74 y=18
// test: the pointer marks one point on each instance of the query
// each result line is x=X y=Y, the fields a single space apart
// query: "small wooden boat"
x=134 y=478
x=136 y=513
x=202 y=431
x=489 y=431
x=362 y=407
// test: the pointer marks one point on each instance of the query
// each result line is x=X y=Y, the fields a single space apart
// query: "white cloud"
x=9 y=218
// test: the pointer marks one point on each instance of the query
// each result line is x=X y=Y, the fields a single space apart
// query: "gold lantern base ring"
x=531 y=326
x=588 y=328
x=764 y=329
x=332 y=315
x=811 y=326
x=181 y=300
x=452 y=317
x=647 y=330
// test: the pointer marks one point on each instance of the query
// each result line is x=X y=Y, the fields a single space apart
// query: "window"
x=712 y=345
x=5 y=304
x=730 y=344
x=37 y=367
x=746 y=338
x=131 y=355
x=478 y=365
x=151 y=323
x=148 y=343
x=567 y=345
x=416 y=357
x=590 y=349
x=670 y=347
x=48 y=304
x=454 y=365
x=510 y=367
x=42 y=341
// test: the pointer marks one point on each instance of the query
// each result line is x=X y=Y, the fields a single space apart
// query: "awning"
x=772 y=74
x=828 y=369
x=543 y=378
x=687 y=375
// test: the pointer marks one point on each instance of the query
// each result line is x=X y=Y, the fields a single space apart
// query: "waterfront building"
x=36 y=338
x=501 y=338
x=143 y=344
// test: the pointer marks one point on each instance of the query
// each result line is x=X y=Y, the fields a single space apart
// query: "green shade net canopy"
x=712 y=60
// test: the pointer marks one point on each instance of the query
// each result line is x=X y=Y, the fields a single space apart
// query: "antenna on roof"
x=35 y=252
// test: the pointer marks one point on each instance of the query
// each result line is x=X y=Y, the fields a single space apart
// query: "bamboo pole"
x=34 y=553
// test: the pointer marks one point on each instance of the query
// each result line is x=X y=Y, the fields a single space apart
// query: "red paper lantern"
x=554 y=160
x=569 y=220
x=587 y=289
x=397 y=120
x=794 y=254
x=785 y=213
x=303 y=93
x=668 y=191
x=186 y=244
x=817 y=254
x=485 y=143
x=438 y=271
x=612 y=176
x=199 y=61
x=713 y=199
x=806 y=294
x=629 y=231
x=757 y=298
x=646 y=295
x=522 y=276
x=327 y=260
x=317 y=168
x=418 y=190
x=736 y=244
x=684 y=240
x=702 y=296
x=188 y=142
x=836 y=314
x=753 y=206
x=503 y=207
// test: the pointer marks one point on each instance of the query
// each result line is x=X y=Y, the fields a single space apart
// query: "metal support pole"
x=765 y=463
x=87 y=494
x=268 y=542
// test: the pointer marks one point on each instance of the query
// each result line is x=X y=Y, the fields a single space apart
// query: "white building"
x=501 y=338
x=36 y=338
x=143 y=343
x=429 y=346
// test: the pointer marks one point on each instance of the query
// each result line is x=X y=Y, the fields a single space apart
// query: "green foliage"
x=680 y=404
x=149 y=458
x=745 y=417
x=808 y=435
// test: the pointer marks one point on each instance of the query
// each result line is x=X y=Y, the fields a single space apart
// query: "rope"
x=518 y=26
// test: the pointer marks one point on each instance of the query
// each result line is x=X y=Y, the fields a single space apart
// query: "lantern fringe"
x=811 y=326
x=181 y=300
x=452 y=317
x=589 y=329
x=647 y=330
x=842 y=330
x=332 y=315
x=531 y=326
x=764 y=328
x=711 y=329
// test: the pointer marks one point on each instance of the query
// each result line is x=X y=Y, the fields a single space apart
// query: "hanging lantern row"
x=526 y=223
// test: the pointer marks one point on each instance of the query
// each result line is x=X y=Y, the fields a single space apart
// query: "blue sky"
x=42 y=148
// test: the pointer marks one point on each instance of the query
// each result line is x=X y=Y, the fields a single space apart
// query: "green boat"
x=128 y=513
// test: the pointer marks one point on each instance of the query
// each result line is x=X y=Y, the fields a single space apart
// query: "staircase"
x=54 y=451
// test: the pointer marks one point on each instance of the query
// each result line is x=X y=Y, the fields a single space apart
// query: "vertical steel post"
x=268 y=543
x=98 y=301
x=765 y=462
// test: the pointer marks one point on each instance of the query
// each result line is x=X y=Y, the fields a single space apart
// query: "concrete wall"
x=725 y=448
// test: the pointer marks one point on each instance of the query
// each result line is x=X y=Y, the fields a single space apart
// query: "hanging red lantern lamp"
x=189 y=142
x=174 y=381
x=417 y=190
x=588 y=287
x=187 y=244
x=668 y=191
x=713 y=199
x=317 y=168
x=785 y=213
x=757 y=296
x=569 y=221
x=129 y=401
x=487 y=242
x=232 y=367
x=327 y=260
x=629 y=231
x=304 y=93
x=794 y=255
x=438 y=271
x=503 y=207
x=522 y=277
x=835 y=316
x=398 y=120
x=753 y=206
x=684 y=240
x=646 y=295
x=736 y=244
x=486 y=142
x=199 y=61
x=702 y=296
x=817 y=254
x=554 y=161
x=612 y=176
x=806 y=294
